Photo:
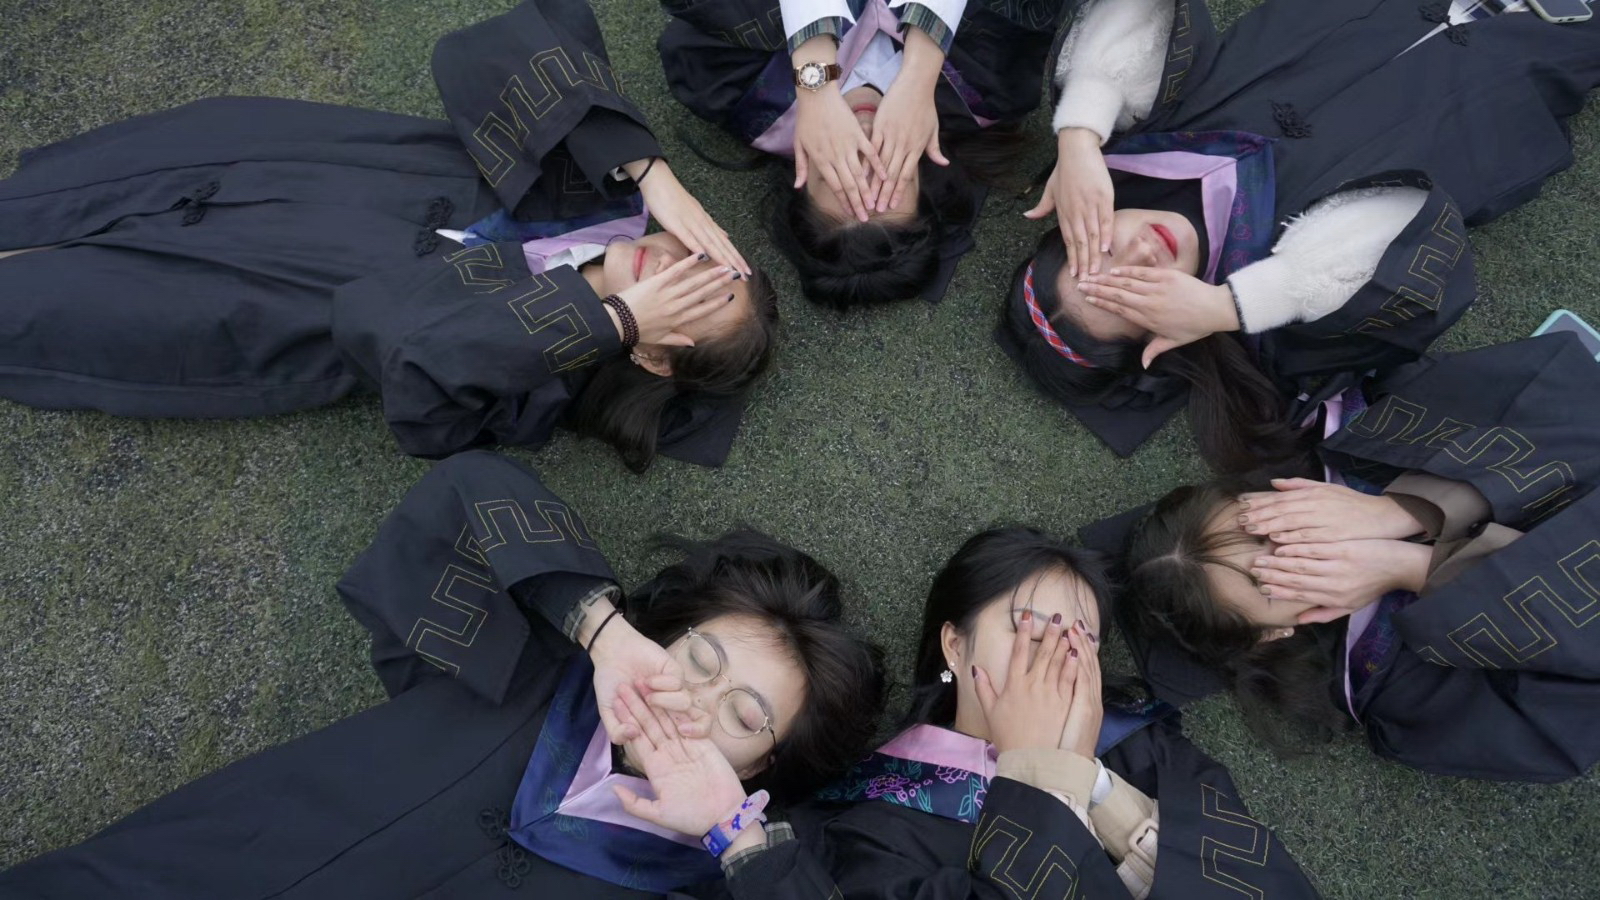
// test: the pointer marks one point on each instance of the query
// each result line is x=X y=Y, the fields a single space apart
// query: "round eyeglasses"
x=740 y=713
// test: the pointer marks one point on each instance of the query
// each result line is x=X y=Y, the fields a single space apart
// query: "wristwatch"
x=813 y=75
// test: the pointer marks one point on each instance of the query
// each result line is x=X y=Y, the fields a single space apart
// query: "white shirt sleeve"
x=797 y=14
x=1324 y=256
x=1110 y=65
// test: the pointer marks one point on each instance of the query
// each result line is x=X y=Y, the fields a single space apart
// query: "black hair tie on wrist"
x=596 y=636
x=630 y=325
x=647 y=167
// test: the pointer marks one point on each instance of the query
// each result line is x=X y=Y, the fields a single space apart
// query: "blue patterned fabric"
x=1252 y=220
x=614 y=853
x=954 y=793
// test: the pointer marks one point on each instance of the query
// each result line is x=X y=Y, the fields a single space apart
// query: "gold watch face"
x=813 y=76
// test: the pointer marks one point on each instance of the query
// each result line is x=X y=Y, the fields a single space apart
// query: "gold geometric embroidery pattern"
x=1487 y=642
x=501 y=133
x=455 y=586
x=572 y=351
x=559 y=523
x=1253 y=851
x=478 y=267
x=1499 y=449
x=1182 y=52
x=754 y=34
x=1057 y=868
x=1430 y=268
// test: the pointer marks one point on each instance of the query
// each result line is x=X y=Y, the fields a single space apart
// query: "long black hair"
x=990 y=565
x=847 y=264
x=1283 y=687
x=623 y=404
x=1240 y=419
x=747 y=573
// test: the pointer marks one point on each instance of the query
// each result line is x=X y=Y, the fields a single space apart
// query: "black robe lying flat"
x=244 y=257
x=1475 y=116
x=1027 y=843
x=200 y=248
x=1495 y=673
x=470 y=576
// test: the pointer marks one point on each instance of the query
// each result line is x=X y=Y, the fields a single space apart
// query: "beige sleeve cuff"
x=1138 y=869
x=1123 y=817
x=1057 y=771
x=1449 y=510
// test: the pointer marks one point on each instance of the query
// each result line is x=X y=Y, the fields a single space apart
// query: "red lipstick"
x=1167 y=238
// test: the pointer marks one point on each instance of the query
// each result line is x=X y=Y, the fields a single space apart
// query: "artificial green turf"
x=166 y=588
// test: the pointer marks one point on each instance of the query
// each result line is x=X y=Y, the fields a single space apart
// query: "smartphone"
x=1566 y=320
x=1560 y=11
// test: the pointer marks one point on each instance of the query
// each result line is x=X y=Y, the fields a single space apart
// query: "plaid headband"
x=1043 y=324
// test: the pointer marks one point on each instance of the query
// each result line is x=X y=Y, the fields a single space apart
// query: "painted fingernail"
x=1073 y=653
x=1027 y=615
x=1094 y=640
x=1082 y=627
x=974 y=672
x=1066 y=635
x=1055 y=619
x=730 y=298
x=702 y=257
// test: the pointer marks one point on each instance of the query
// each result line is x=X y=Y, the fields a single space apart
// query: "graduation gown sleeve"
x=445 y=584
x=472 y=349
x=1501 y=664
x=533 y=96
x=1503 y=419
x=1209 y=846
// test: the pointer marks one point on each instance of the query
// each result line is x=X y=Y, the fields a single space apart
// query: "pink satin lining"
x=591 y=796
x=603 y=233
x=937 y=746
x=1219 y=182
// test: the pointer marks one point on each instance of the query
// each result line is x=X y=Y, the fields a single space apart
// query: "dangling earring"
x=947 y=676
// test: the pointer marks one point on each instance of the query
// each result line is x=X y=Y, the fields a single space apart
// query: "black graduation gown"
x=714 y=52
x=1029 y=844
x=248 y=296
x=470 y=576
x=1476 y=117
x=728 y=62
x=1497 y=672
x=201 y=247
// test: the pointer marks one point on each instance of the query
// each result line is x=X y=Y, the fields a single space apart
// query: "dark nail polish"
x=974 y=672
x=1081 y=626
x=1073 y=653
x=1094 y=640
x=730 y=298
x=702 y=257
x=1055 y=619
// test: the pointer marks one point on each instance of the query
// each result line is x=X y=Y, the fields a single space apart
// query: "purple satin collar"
x=1219 y=183
x=875 y=17
x=1357 y=622
x=945 y=747
x=629 y=228
x=591 y=796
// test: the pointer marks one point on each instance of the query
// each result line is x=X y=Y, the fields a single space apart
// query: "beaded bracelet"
x=724 y=833
x=630 y=325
